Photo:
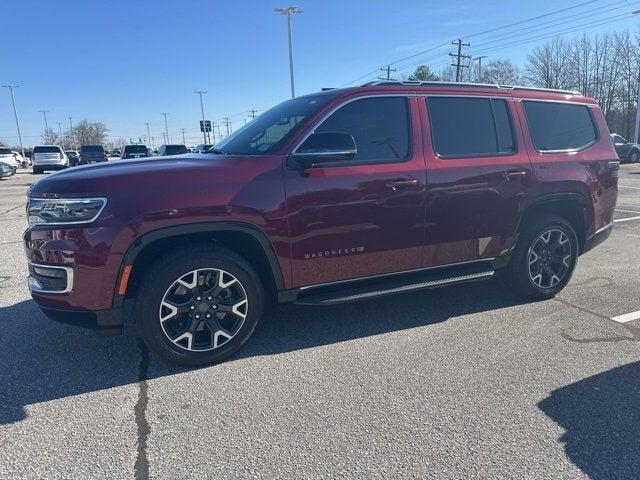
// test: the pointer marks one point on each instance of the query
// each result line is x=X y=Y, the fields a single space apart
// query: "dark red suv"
x=332 y=197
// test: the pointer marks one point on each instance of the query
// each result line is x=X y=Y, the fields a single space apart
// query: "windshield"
x=262 y=135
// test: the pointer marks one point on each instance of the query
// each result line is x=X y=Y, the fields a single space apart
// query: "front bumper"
x=598 y=237
x=107 y=321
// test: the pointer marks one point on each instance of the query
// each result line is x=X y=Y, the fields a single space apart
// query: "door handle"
x=400 y=184
x=510 y=175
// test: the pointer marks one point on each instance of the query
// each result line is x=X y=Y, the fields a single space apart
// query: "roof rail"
x=409 y=83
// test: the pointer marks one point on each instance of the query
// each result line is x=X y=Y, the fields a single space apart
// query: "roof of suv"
x=470 y=88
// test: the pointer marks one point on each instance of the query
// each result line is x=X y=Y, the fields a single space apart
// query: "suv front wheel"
x=544 y=258
x=198 y=306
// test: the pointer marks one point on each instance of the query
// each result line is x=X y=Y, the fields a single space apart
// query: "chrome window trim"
x=38 y=289
x=68 y=200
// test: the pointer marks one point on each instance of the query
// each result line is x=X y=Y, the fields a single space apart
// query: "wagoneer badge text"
x=334 y=253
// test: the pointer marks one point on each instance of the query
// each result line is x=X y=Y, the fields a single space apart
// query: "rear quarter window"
x=559 y=126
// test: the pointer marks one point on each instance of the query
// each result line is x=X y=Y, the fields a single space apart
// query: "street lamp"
x=166 y=128
x=288 y=11
x=636 y=131
x=204 y=130
x=15 y=114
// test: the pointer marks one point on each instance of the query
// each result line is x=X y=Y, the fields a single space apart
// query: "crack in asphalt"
x=141 y=468
x=12 y=209
x=634 y=331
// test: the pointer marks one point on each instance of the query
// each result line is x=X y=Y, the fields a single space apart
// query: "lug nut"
x=198 y=298
x=192 y=307
x=197 y=316
x=208 y=315
x=209 y=297
x=215 y=307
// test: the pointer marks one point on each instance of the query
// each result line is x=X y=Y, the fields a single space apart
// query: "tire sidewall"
x=518 y=271
x=162 y=275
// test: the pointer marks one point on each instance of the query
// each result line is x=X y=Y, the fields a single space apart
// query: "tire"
x=36 y=171
x=634 y=156
x=521 y=273
x=167 y=291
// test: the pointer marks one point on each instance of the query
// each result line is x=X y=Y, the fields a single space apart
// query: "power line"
x=387 y=69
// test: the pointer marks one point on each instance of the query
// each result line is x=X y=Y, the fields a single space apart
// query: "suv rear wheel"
x=634 y=156
x=198 y=306
x=543 y=261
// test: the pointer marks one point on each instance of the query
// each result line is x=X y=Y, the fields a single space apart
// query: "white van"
x=49 y=157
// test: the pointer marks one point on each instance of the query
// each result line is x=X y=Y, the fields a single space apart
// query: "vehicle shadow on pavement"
x=601 y=416
x=41 y=360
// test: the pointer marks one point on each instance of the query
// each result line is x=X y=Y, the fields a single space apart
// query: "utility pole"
x=60 y=131
x=288 y=11
x=459 y=56
x=73 y=142
x=148 y=132
x=637 y=129
x=15 y=114
x=387 y=69
x=227 y=124
x=252 y=113
x=204 y=130
x=218 y=129
x=184 y=142
x=479 y=59
x=166 y=129
x=44 y=113
x=164 y=138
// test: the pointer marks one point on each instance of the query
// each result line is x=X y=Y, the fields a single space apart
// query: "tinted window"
x=45 y=149
x=135 y=149
x=263 y=134
x=618 y=139
x=175 y=150
x=379 y=126
x=463 y=127
x=92 y=149
x=559 y=126
x=5 y=151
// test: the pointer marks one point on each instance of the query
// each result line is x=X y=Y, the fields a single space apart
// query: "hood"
x=127 y=175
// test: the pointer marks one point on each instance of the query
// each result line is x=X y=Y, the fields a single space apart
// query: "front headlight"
x=66 y=211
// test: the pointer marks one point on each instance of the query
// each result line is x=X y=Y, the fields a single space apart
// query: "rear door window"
x=559 y=126
x=47 y=149
x=470 y=127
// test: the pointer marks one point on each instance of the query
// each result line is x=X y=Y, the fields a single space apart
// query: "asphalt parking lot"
x=462 y=382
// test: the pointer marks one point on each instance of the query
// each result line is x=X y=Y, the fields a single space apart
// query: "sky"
x=123 y=62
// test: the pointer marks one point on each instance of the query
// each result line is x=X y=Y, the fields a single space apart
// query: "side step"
x=391 y=285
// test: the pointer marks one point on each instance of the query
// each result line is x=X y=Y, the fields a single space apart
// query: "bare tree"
x=501 y=72
x=88 y=133
x=550 y=66
x=50 y=137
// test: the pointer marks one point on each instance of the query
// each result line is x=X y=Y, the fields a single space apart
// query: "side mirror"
x=322 y=147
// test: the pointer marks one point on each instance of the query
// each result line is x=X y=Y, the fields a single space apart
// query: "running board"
x=363 y=290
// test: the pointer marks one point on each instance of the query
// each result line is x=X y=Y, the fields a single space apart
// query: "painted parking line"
x=627 y=211
x=627 y=186
x=626 y=219
x=627 y=317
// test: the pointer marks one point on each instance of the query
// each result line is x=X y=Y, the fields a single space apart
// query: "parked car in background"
x=13 y=158
x=92 y=154
x=48 y=157
x=337 y=196
x=165 y=150
x=6 y=169
x=115 y=152
x=134 y=151
x=203 y=147
x=74 y=157
x=628 y=152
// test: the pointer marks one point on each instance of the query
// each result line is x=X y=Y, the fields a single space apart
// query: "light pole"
x=148 y=133
x=636 y=132
x=15 y=114
x=204 y=130
x=288 y=11
x=60 y=131
x=44 y=114
x=166 y=129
